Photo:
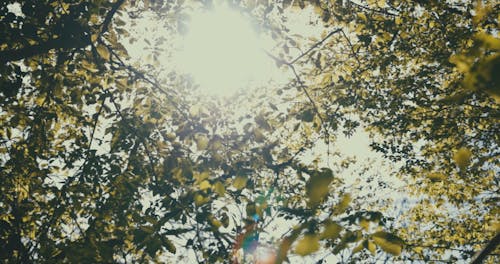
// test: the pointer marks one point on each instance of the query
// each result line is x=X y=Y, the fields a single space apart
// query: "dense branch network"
x=68 y=40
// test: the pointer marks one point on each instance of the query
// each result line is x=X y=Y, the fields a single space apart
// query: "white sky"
x=222 y=50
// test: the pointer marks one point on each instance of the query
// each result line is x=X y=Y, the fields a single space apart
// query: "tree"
x=103 y=162
x=422 y=74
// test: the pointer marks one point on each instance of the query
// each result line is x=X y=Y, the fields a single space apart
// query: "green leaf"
x=153 y=246
x=140 y=235
x=318 y=186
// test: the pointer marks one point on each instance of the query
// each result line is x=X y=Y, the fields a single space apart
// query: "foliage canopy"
x=102 y=160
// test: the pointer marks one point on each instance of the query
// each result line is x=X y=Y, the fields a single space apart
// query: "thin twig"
x=304 y=88
x=384 y=12
x=315 y=45
x=351 y=46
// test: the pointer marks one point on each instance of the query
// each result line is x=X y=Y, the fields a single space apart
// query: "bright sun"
x=222 y=52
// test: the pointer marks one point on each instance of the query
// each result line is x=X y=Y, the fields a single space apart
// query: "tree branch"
x=42 y=48
x=315 y=45
x=380 y=11
x=57 y=43
x=110 y=15
x=490 y=247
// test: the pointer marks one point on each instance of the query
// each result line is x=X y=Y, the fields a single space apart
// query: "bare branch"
x=315 y=45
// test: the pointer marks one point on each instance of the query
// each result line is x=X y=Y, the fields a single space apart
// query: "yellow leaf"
x=344 y=203
x=462 y=157
x=219 y=188
x=494 y=226
x=481 y=12
x=307 y=245
x=332 y=230
x=194 y=110
x=204 y=185
x=89 y=66
x=103 y=52
x=215 y=223
x=240 y=182
x=358 y=248
x=202 y=142
x=388 y=242
x=371 y=247
x=365 y=224
x=40 y=100
x=201 y=176
x=488 y=40
x=397 y=20
x=362 y=16
x=200 y=199
x=436 y=176
x=65 y=7
x=94 y=19
x=461 y=62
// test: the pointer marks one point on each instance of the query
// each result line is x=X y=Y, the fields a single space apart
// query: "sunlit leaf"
x=331 y=230
x=462 y=157
x=371 y=247
x=307 y=245
x=343 y=204
x=365 y=224
x=205 y=185
x=103 y=52
x=436 y=176
x=240 y=182
x=219 y=188
x=388 y=242
x=202 y=141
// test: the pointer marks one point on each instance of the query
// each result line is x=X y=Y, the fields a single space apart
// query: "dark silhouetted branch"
x=316 y=45
x=490 y=247
x=56 y=43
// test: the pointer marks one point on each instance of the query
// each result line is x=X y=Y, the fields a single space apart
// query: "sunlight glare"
x=222 y=52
